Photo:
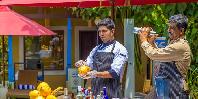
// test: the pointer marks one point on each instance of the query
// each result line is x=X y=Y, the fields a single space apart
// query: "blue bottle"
x=105 y=93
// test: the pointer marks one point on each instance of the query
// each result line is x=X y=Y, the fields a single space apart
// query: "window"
x=46 y=50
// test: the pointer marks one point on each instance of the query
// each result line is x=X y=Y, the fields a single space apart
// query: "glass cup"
x=160 y=42
x=20 y=86
x=25 y=87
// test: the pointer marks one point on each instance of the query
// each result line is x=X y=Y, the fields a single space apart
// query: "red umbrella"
x=143 y=2
x=13 y=23
x=86 y=3
x=65 y=3
x=98 y=3
x=47 y=3
x=43 y=3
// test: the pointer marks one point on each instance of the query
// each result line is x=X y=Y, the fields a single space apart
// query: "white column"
x=129 y=44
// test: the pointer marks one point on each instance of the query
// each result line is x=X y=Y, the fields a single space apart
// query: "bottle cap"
x=79 y=88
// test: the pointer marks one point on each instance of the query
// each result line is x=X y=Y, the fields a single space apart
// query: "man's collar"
x=182 y=37
x=109 y=42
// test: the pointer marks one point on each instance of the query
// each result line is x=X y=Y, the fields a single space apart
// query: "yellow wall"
x=141 y=82
x=15 y=49
x=55 y=81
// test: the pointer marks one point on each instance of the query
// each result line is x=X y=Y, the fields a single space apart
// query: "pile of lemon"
x=44 y=92
x=83 y=70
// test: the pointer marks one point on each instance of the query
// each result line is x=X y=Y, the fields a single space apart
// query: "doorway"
x=87 y=41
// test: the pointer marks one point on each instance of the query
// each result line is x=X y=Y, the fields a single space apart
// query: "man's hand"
x=80 y=63
x=144 y=34
x=91 y=74
x=152 y=38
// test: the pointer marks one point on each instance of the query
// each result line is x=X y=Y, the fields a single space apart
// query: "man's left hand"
x=152 y=38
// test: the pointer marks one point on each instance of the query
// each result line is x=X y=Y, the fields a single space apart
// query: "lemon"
x=45 y=91
x=40 y=97
x=33 y=94
x=51 y=97
x=82 y=70
x=42 y=84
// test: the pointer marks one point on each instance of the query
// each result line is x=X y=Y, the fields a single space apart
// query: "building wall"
x=15 y=49
x=140 y=77
x=55 y=81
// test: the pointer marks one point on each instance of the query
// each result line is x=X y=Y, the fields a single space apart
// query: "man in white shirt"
x=108 y=60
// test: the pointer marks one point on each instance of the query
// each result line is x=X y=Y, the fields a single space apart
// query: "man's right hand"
x=80 y=63
x=91 y=74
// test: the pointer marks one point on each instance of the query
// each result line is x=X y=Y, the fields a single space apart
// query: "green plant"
x=3 y=55
x=193 y=81
x=91 y=13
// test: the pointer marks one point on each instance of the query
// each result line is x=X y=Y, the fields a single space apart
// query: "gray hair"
x=180 y=20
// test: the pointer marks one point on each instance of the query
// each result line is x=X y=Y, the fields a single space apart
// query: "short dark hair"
x=180 y=20
x=106 y=22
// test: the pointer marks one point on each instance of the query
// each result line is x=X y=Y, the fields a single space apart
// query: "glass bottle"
x=79 y=94
x=66 y=96
x=83 y=93
x=102 y=94
x=91 y=95
x=98 y=97
x=105 y=93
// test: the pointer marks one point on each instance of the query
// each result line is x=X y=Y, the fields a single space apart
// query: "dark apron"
x=102 y=62
x=168 y=82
